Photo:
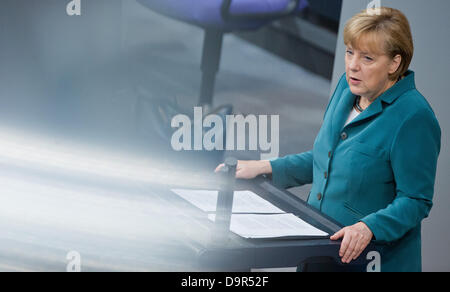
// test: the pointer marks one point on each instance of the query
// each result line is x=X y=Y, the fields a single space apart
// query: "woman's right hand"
x=250 y=169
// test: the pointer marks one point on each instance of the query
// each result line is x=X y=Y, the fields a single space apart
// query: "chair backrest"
x=208 y=13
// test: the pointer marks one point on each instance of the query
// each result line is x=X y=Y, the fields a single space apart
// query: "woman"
x=373 y=163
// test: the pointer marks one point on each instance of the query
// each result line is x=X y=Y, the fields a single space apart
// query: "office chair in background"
x=216 y=17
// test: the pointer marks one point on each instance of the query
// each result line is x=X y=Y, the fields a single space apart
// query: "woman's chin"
x=356 y=90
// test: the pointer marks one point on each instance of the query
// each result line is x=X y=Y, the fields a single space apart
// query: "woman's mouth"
x=354 y=81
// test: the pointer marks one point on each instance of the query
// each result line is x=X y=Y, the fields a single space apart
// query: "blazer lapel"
x=342 y=111
x=373 y=110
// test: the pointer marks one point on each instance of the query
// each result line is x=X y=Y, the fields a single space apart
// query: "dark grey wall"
x=430 y=26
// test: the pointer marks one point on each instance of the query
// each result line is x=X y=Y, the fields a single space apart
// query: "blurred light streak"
x=31 y=151
x=42 y=217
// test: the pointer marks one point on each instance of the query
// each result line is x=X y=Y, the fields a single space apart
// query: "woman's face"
x=368 y=72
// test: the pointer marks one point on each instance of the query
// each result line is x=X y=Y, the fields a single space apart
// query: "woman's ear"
x=395 y=64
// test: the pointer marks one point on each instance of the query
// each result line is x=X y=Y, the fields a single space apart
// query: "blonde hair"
x=386 y=32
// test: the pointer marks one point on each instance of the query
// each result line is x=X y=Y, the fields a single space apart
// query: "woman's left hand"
x=355 y=239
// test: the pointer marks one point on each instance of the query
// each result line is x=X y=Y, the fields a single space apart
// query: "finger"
x=344 y=245
x=338 y=235
x=357 y=251
x=362 y=246
x=218 y=168
x=350 y=249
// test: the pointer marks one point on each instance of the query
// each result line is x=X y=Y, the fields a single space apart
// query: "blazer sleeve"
x=293 y=170
x=414 y=154
x=296 y=170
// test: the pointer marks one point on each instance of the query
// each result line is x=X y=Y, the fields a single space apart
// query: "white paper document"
x=243 y=201
x=271 y=226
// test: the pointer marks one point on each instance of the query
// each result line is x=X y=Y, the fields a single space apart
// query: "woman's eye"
x=349 y=52
x=368 y=58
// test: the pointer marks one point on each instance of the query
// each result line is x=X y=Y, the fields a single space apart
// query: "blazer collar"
x=345 y=106
x=404 y=85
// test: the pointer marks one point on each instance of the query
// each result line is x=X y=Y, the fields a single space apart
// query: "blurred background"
x=86 y=103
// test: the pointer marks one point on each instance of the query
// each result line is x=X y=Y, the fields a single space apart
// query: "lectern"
x=227 y=251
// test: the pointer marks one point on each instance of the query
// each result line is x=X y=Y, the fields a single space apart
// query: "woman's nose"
x=354 y=64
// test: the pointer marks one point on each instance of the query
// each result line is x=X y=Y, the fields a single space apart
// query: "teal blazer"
x=379 y=169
